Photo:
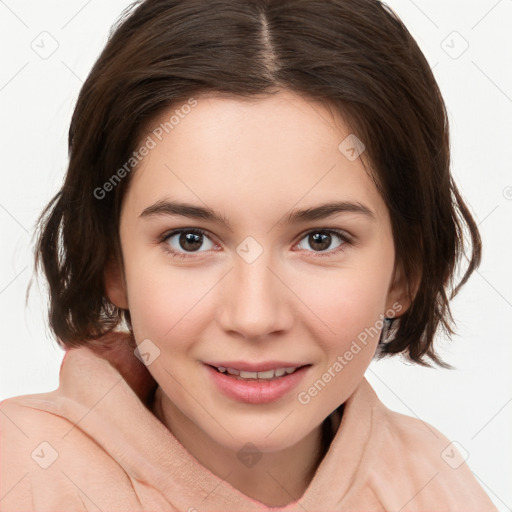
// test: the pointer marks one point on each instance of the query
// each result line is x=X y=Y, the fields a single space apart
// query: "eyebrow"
x=165 y=207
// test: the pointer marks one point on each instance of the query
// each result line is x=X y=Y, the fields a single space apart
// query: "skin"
x=254 y=162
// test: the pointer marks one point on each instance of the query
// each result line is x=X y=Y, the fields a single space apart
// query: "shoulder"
x=44 y=456
x=420 y=440
x=26 y=418
x=434 y=467
x=20 y=428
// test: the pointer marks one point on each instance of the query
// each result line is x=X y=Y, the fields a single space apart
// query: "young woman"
x=258 y=203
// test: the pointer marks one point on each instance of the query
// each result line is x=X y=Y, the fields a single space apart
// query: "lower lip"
x=256 y=391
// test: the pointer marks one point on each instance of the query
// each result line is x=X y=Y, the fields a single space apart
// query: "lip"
x=255 y=367
x=256 y=391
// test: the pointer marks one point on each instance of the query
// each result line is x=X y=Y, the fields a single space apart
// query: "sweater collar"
x=96 y=395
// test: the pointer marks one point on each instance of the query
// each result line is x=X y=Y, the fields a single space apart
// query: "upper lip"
x=256 y=367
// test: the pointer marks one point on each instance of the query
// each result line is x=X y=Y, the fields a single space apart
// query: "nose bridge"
x=255 y=303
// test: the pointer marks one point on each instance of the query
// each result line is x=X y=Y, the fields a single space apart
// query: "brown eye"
x=322 y=240
x=183 y=241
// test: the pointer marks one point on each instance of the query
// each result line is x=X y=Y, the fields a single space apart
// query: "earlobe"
x=115 y=286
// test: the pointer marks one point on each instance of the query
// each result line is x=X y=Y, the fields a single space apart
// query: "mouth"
x=256 y=387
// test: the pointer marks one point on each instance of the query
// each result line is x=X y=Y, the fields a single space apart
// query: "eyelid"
x=345 y=235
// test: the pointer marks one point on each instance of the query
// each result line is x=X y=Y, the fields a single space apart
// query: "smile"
x=256 y=387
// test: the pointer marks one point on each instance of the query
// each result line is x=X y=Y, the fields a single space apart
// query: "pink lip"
x=255 y=367
x=256 y=391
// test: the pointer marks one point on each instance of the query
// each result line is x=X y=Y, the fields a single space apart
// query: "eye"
x=320 y=240
x=187 y=240
x=183 y=243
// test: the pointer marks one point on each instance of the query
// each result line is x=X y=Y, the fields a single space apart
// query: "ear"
x=402 y=291
x=115 y=284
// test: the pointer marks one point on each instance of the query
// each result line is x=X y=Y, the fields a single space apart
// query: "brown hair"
x=354 y=55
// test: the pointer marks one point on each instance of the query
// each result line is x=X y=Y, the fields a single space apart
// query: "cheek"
x=344 y=303
x=349 y=311
x=168 y=303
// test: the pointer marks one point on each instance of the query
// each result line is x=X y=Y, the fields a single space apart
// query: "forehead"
x=249 y=155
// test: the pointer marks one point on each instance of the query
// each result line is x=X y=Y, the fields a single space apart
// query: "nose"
x=255 y=301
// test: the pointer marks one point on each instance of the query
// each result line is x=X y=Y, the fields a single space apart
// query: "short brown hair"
x=354 y=55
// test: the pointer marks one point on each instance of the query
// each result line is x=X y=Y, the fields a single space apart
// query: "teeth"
x=263 y=375
x=249 y=375
x=266 y=375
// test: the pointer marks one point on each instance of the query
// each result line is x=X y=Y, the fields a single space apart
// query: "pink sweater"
x=94 y=444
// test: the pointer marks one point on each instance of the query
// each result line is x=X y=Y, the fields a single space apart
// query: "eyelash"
x=342 y=236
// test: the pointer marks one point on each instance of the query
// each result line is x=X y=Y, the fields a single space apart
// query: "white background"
x=472 y=404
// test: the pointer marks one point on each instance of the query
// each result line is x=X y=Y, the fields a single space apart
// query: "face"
x=241 y=278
